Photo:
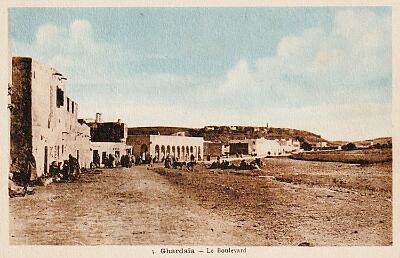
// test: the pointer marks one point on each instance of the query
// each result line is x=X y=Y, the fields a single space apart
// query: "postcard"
x=191 y=129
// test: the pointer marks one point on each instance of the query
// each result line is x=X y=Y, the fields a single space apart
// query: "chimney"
x=98 y=117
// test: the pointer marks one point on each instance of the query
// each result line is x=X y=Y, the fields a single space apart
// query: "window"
x=60 y=97
x=68 y=104
x=73 y=107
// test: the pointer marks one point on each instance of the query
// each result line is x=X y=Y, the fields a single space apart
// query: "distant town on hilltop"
x=224 y=134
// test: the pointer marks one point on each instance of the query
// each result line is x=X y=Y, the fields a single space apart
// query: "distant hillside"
x=338 y=143
x=162 y=130
x=381 y=141
x=225 y=133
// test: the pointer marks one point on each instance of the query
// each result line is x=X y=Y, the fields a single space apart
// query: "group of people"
x=173 y=162
x=111 y=160
x=67 y=170
x=244 y=165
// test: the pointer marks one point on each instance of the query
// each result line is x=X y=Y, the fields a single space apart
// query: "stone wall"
x=21 y=116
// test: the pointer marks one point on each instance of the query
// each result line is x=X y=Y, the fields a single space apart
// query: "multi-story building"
x=107 y=138
x=43 y=120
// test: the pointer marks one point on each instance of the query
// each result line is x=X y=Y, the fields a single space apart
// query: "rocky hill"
x=381 y=141
x=225 y=133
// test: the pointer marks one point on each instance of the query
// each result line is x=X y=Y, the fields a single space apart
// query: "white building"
x=263 y=147
x=159 y=146
x=321 y=144
x=289 y=146
x=43 y=120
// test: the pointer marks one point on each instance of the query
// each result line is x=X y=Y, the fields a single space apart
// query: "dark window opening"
x=73 y=107
x=68 y=104
x=60 y=97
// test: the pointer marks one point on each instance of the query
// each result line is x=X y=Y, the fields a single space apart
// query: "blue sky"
x=326 y=70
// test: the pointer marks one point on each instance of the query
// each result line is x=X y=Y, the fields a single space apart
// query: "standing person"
x=123 y=161
x=133 y=160
x=111 y=160
x=105 y=161
x=117 y=160
x=31 y=169
x=168 y=162
x=73 y=167
x=96 y=160
x=144 y=158
x=65 y=170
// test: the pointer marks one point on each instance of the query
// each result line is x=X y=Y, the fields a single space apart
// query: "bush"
x=306 y=146
x=349 y=146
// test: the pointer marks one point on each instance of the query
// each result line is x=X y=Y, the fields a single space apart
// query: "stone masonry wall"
x=21 y=116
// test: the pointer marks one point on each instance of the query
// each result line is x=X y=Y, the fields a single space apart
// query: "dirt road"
x=288 y=202
x=119 y=206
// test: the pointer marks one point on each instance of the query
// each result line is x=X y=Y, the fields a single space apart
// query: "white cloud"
x=81 y=31
x=46 y=33
x=332 y=82
x=74 y=51
x=239 y=77
x=335 y=82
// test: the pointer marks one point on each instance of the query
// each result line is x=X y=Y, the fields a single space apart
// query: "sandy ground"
x=290 y=202
x=117 y=206
x=287 y=203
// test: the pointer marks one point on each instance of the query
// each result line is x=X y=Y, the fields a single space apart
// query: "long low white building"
x=263 y=147
x=159 y=146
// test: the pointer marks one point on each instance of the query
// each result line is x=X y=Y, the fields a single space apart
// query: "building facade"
x=159 y=146
x=290 y=145
x=107 y=138
x=43 y=120
x=213 y=149
x=263 y=147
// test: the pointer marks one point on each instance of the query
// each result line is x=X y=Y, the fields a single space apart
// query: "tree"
x=306 y=146
x=349 y=146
